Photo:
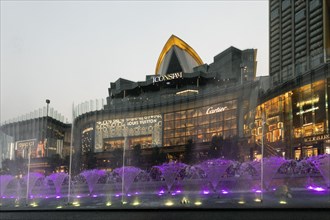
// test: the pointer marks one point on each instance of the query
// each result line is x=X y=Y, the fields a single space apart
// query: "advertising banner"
x=23 y=147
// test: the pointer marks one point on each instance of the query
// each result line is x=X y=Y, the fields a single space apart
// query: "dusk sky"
x=69 y=52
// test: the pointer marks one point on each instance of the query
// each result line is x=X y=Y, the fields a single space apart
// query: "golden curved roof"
x=175 y=41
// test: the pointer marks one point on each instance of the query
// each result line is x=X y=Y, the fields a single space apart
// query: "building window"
x=299 y=16
x=274 y=14
x=285 y=4
x=313 y=4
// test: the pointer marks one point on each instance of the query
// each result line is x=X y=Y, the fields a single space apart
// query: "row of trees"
x=218 y=147
x=19 y=166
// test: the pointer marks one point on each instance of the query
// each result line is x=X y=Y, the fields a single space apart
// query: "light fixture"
x=187 y=92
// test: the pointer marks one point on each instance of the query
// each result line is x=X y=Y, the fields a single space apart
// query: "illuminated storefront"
x=295 y=122
x=128 y=132
x=200 y=124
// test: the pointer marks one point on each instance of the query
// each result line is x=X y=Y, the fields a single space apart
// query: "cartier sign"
x=213 y=110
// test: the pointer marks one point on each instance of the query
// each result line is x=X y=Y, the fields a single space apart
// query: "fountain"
x=138 y=186
x=4 y=181
x=170 y=172
x=31 y=181
x=127 y=175
x=270 y=167
x=322 y=163
x=58 y=180
x=214 y=170
x=91 y=177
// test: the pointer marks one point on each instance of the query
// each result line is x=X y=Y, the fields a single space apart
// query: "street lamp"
x=47 y=102
x=263 y=122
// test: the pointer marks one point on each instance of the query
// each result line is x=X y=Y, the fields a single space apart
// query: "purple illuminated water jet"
x=322 y=163
x=58 y=180
x=128 y=175
x=215 y=170
x=4 y=181
x=206 y=192
x=92 y=176
x=33 y=178
x=170 y=172
x=270 y=167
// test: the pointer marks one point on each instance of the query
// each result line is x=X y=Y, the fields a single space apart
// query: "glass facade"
x=201 y=124
x=296 y=122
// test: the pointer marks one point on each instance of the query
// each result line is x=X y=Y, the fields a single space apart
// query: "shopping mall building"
x=220 y=106
x=184 y=100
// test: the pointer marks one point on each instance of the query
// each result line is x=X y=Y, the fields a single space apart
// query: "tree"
x=234 y=148
x=15 y=167
x=157 y=156
x=189 y=152
x=118 y=157
x=55 y=162
x=136 y=157
x=226 y=148
x=214 y=147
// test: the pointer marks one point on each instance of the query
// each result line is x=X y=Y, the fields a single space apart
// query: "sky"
x=70 y=51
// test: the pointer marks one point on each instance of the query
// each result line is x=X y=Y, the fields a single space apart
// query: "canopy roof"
x=177 y=56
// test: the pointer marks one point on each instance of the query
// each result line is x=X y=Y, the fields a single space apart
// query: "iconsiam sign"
x=167 y=77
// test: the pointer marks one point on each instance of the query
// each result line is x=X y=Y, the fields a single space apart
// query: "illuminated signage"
x=308 y=110
x=213 y=110
x=87 y=130
x=25 y=144
x=150 y=125
x=22 y=148
x=167 y=77
x=317 y=138
x=141 y=120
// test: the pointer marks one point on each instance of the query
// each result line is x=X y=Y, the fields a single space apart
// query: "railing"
x=269 y=149
x=89 y=106
x=38 y=113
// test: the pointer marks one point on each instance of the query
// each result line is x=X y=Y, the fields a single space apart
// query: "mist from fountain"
x=214 y=170
x=92 y=177
x=31 y=180
x=322 y=163
x=239 y=177
x=128 y=174
x=4 y=181
x=270 y=166
x=170 y=172
x=58 y=180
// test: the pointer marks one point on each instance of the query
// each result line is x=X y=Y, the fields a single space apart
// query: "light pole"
x=47 y=102
x=28 y=176
x=263 y=122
